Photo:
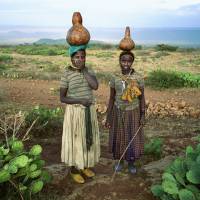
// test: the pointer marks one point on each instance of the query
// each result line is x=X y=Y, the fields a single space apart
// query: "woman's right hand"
x=85 y=102
x=107 y=124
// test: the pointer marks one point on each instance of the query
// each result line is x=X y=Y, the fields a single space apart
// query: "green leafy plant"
x=21 y=170
x=181 y=180
x=154 y=147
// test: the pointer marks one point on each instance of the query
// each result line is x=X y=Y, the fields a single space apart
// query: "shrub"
x=160 y=79
x=165 y=47
x=5 y=58
x=47 y=119
x=154 y=147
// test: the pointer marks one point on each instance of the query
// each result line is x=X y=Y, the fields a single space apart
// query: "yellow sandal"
x=77 y=178
x=88 y=172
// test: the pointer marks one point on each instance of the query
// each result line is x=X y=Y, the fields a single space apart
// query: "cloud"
x=104 y=13
x=189 y=10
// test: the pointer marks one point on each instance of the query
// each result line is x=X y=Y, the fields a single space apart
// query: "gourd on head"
x=127 y=44
x=77 y=34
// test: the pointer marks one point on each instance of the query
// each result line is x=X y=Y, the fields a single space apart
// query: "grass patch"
x=31 y=75
x=160 y=79
x=161 y=54
x=35 y=49
x=5 y=58
x=143 y=53
x=4 y=61
x=2 y=67
x=188 y=50
x=106 y=54
x=190 y=62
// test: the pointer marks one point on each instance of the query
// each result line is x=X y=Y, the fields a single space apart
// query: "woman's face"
x=126 y=61
x=78 y=60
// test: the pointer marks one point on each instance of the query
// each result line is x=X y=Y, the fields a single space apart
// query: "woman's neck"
x=127 y=72
x=74 y=68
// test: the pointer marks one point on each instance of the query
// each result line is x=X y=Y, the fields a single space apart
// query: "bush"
x=165 y=47
x=4 y=62
x=181 y=180
x=160 y=79
x=5 y=58
x=47 y=119
x=154 y=147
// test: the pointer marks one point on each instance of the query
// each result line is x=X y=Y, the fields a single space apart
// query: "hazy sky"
x=102 y=13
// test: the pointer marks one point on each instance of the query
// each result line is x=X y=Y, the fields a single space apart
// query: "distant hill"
x=51 y=41
x=63 y=42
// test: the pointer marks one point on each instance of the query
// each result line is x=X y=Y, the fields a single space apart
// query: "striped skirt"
x=124 y=125
x=74 y=149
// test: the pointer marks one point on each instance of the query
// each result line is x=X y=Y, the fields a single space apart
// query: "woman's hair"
x=126 y=53
x=76 y=52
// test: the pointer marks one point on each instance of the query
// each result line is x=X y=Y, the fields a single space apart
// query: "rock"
x=114 y=194
x=172 y=108
x=155 y=168
x=141 y=184
x=182 y=104
x=58 y=171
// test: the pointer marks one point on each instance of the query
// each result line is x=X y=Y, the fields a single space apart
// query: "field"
x=29 y=82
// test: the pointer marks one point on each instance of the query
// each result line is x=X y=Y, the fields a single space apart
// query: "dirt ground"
x=177 y=134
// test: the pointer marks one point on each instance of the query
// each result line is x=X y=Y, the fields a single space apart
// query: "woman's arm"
x=110 y=107
x=68 y=100
x=92 y=81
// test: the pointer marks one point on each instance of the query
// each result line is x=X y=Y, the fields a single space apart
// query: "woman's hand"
x=85 y=102
x=107 y=124
x=92 y=81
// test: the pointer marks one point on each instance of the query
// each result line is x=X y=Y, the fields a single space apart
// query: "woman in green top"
x=80 y=139
x=126 y=112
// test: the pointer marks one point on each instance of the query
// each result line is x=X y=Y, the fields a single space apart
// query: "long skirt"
x=124 y=125
x=74 y=149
